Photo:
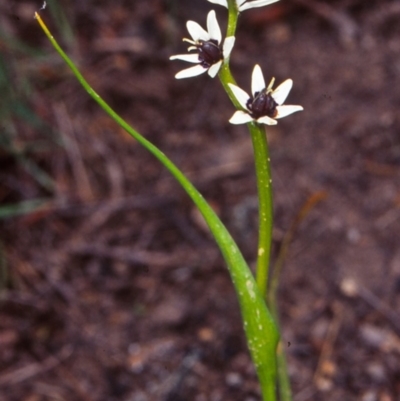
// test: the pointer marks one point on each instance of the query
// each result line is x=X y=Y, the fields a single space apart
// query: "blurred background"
x=111 y=287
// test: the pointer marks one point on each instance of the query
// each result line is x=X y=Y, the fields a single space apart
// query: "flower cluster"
x=209 y=53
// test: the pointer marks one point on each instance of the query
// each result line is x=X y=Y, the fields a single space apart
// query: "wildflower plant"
x=257 y=297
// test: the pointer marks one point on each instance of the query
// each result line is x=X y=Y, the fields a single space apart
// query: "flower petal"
x=213 y=70
x=267 y=120
x=220 y=2
x=196 y=31
x=241 y=117
x=281 y=92
x=256 y=3
x=213 y=28
x=241 y=96
x=286 y=110
x=257 y=80
x=190 y=58
x=190 y=72
x=228 y=46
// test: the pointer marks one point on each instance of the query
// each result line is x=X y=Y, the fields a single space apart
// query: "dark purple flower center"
x=209 y=52
x=262 y=104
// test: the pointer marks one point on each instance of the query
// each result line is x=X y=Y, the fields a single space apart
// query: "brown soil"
x=116 y=291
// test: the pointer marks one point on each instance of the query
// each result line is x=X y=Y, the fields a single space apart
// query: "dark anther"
x=262 y=104
x=209 y=53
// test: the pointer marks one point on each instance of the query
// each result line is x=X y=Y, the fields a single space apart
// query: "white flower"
x=265 y=105
x=244 y=4
x=210 y=54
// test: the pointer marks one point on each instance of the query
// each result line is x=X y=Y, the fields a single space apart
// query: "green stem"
x=264 y=181
x=225 y=74
x=265 y=202
x=264 y=185
x=262 y=165
x=226 y=78
x=233 y=14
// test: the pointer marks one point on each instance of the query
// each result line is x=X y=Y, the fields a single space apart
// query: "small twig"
x=175 y=381
x=75 y=384
x=114 y=169
x=115 y=45
x=328 y=345
x=345 y=25
x=127 y=254
x=81 y=177
x=380 y=15
x=27 y=372
x=352 y=289
x=101 y=211
x=305 y=394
